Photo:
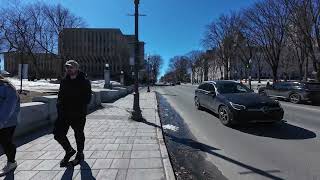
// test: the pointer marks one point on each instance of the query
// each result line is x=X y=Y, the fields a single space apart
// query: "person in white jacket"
x=9 y=110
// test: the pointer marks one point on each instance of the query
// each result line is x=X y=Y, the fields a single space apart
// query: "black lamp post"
x=148 y=69
x=136 y=113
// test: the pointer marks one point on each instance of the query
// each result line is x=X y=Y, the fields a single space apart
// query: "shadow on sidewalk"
x=211 y=150
x=85 y=171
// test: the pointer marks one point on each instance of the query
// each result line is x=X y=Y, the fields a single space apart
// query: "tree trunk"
x=307 y=69
x=275 y=74
x=300 y=71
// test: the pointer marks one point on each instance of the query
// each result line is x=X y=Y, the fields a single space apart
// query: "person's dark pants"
x=6 y=141
x=61 y=129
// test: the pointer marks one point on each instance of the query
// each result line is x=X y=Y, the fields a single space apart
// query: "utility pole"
x=136 y=113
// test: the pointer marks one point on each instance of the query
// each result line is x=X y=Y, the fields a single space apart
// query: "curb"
x=163 y=148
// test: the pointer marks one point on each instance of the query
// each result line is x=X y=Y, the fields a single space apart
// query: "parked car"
x=295 y=92
x=235 y=103
x=178 y=83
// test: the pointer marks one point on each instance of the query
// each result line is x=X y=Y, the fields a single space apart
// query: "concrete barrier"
x=52 y=105
x=109 y=95
x=32 y=116
x=42 y=111
x=97 y=96
x=122 y=91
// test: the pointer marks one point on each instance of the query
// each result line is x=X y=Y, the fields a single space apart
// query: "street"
x=288 y=150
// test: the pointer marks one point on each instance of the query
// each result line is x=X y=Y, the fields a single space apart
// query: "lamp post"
x=136 y=113
x=148 y=69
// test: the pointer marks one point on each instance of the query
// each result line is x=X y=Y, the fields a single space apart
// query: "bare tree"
x=179 y=65
x=267 y=22
x=194 y=58
x=20 y=32
x=300 y=32
x=219 y=35
x=57 y=18
x=156 y=63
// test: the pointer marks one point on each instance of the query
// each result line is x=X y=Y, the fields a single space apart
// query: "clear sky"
x=171 y=27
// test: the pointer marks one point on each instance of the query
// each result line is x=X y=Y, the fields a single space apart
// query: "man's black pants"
x=61 y=129
x=6 y=141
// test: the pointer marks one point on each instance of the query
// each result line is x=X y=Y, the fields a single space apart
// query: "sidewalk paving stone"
x=116 y=147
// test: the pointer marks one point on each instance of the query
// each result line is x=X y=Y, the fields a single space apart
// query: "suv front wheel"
x=295 y=98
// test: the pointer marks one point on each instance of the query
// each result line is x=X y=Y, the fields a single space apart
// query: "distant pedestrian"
x=9 y=110
x=73 y=98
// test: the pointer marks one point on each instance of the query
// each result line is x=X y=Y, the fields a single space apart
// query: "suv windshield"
x=226 y=88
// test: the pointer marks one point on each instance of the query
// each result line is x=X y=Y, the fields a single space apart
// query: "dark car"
x=235 y=103
x=295 y=92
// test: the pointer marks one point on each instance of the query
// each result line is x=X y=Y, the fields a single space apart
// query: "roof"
x=220 y=81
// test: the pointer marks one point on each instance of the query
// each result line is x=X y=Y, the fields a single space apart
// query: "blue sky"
x=171 y=27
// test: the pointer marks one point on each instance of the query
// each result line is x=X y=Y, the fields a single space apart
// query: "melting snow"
x=170 y=127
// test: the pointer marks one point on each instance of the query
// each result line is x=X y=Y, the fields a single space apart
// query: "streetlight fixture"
x=136 y=113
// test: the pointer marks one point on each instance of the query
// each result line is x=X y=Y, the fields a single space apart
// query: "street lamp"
x=148 y=69
x=136 y=113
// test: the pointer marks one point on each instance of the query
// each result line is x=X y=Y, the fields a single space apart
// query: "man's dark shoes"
x=79 y=158
x=65 y=161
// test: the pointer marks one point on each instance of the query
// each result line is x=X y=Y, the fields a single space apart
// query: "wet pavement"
x=186 y=153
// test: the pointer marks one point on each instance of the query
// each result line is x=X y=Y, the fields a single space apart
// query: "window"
x=211 y=88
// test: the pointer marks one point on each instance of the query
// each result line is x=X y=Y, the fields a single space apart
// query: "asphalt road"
x=289 y=150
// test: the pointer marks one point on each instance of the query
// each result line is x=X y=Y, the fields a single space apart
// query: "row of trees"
x=272 y=29
x=34 y=28
x=153 y=63
x=276 y=33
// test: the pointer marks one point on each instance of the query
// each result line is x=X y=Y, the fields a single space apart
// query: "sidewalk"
x=116 y=148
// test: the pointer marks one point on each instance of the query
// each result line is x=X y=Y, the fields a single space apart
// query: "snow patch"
x=170 y=127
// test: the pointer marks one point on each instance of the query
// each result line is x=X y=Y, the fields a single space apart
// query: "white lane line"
x=300 y=107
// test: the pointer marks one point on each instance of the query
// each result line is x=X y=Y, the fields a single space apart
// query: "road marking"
x=300 y=107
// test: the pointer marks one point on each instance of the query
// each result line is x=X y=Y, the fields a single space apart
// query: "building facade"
x=40 y=65
x=93 y=48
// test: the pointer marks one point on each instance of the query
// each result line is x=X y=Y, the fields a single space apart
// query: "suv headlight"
x=237 y=106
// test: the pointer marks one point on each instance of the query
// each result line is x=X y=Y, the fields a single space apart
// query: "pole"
x=148 y=69
x=136 y=113
x=21 y=72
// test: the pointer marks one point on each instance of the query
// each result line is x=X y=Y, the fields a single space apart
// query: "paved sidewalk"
x=115 y=148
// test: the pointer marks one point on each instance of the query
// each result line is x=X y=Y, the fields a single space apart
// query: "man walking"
x=9 y=110
x=73 y=98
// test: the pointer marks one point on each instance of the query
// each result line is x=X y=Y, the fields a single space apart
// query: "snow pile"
x=170 y=127
x=39 y=86
x=45 y=85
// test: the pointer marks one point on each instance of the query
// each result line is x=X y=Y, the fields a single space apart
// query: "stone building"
x=93 y=48
x=40 y=65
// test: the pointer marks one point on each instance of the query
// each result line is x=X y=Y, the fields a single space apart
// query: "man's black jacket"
x=74 y=96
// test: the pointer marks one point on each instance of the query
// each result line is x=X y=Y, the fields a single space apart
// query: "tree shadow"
x=280 y=130
x=211 y=150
